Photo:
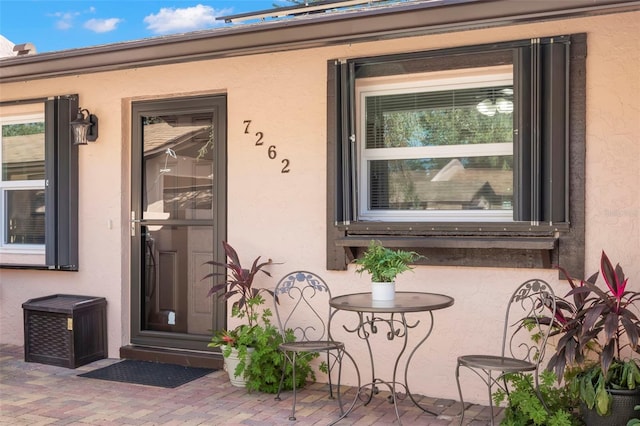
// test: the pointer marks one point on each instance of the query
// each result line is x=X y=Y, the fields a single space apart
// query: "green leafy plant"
x=385 y=264
x=636 y=421
x=597 y=324
x=262 y=368
x=242 y=336
x=525 y=407
x=238 y=281
x=265 y=369
x=592 y=385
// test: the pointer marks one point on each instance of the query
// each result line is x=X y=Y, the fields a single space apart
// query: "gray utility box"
x=65 y=330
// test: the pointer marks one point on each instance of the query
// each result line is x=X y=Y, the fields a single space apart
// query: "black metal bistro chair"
x=303 y=307
x=532 y=301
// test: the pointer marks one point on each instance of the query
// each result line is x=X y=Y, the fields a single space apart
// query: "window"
x=22 y=184
x=437 y=148
x=462 y=153
x=38 y=184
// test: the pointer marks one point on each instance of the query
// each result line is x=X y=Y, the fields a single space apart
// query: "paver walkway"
x=39 y=394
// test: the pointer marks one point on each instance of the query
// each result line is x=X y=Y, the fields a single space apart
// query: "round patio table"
x=390 y=316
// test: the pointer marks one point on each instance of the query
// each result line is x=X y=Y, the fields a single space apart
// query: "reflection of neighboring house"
x=162 y=135
x=23 y=160
x=176 y=184
x=23 y=155
x=458 y=195
x=457 y=188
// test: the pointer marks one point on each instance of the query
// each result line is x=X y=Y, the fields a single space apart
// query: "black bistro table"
x=389 y=317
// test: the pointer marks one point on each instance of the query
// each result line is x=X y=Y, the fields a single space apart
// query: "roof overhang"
x=315 y=30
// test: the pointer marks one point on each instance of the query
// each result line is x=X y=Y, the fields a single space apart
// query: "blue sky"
x=52 y=25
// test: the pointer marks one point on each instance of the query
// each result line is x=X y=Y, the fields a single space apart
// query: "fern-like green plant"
x=383 y=263
x=265 y=369
x=524 y=407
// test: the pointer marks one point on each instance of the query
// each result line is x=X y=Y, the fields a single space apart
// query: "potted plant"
x=237 y=344
x=251 y=350
x=384 y=264
x=598 y=334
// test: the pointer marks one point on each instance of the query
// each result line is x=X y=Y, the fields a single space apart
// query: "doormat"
x=148 y=373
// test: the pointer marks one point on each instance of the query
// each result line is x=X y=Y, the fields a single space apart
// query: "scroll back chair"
x=303 y=307
x=534 y=299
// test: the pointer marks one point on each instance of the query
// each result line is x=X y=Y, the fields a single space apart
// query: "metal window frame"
x=423 y=84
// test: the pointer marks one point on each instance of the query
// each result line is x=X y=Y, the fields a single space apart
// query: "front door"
x=177 y=219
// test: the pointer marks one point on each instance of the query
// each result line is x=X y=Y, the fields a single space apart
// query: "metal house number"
x=272 y=152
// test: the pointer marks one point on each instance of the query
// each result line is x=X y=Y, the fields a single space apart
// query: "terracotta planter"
x=621 y=409
x=230 y=364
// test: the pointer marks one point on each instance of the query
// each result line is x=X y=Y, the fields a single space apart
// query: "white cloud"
x=171 y=20
x=65 y=19
x=102 y=25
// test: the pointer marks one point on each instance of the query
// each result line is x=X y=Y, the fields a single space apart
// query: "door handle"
x=133 y=222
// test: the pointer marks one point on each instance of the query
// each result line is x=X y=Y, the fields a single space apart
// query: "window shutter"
x=554 y=131
x=542 y=95
x=346 y=155
x=61 y=185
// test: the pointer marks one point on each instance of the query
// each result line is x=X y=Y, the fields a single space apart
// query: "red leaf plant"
x=596 y=329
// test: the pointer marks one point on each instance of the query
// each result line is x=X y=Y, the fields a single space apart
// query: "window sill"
x=513 y=245
x=454 y=242
x=39 y=267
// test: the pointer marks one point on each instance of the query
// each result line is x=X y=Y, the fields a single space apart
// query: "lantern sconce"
x=84 y=128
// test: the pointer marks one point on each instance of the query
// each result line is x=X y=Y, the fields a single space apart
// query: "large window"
x=437 y=148
x=472 y=155
x=38 y=184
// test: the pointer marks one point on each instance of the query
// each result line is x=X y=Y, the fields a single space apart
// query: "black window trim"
x=553 y=234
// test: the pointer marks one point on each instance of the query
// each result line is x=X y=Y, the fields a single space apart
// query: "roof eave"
x=405 y=19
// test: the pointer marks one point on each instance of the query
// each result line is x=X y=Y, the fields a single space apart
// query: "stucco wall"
x=282 y=216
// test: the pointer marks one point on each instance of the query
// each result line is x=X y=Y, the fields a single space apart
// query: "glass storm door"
x=177 y=219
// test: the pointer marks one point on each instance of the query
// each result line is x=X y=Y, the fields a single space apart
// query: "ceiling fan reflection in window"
x=500 y=102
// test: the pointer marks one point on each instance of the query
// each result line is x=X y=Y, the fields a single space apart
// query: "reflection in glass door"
x=177 y=220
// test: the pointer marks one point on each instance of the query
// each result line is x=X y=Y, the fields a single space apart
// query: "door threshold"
x=172 y=356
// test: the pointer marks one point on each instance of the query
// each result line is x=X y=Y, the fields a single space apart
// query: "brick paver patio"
x=39 y=394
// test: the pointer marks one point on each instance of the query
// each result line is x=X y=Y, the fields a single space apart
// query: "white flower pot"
x=383 y=291
x=230 y=364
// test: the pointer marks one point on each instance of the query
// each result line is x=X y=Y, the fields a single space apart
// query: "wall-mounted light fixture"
x=84 y=127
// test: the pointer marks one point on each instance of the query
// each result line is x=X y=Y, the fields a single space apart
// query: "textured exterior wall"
x=282 y=216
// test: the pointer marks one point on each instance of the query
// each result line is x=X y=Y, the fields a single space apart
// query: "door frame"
x=217 y=104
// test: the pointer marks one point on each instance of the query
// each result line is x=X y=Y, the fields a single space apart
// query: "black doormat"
x=148 y=373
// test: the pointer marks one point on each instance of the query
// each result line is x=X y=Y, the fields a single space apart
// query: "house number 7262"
x=272 y=152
